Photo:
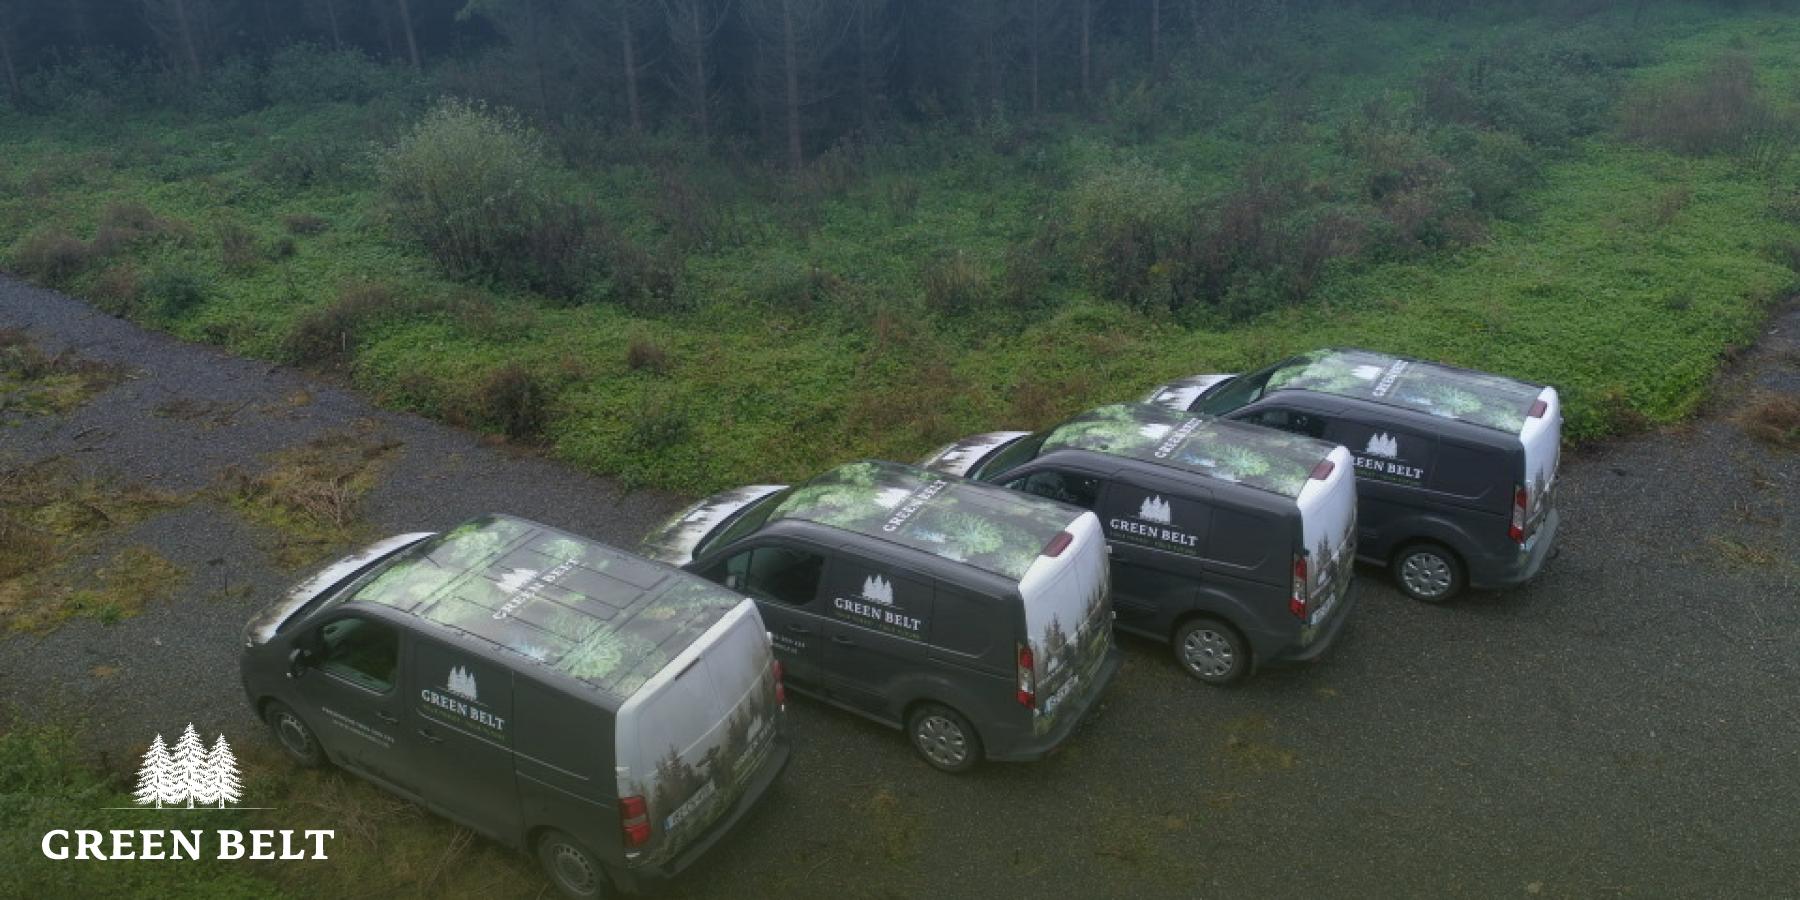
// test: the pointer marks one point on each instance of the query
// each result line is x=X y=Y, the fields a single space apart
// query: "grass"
x=383 y=845
x=35 y=383
x=1773 y=419
x=309 y=497
x=896 y=297
x=51 y=521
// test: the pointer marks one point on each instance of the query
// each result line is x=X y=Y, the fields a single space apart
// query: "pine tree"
x=156 y=775
x=221 y=764
x=189 y=764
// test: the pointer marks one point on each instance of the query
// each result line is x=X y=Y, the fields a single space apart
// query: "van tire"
x=944 y=738
x=1429 y=572
x=1211 y=651
x=571 y=868
x=295 y=738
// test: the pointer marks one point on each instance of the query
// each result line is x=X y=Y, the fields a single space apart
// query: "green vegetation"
x=1605 y=203
x=310 y=497
x=35 y=383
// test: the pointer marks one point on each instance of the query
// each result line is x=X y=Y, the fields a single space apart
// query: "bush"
x=475 y=188
x=954 y=284
x=238 y=247
x=645 y=355
x=305 y=163
x=1712 y=114
x=1774 y=419
x=172 y=292
x=304 y=224
x=658 y=423
x=1125 y=220
x=512 y=400
x=118 y=288
x=231 y=88
x=52 y=256
x=327 y=336
x=304 y=74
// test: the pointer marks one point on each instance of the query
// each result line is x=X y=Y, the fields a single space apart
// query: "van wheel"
x=944 y=738
x=1428 y=572
x=1211 y=651
x=295 y=737
x=570 y=866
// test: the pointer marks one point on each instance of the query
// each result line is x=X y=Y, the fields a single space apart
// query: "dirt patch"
x=310 y=496
x=33 y=382
x=1773 y=419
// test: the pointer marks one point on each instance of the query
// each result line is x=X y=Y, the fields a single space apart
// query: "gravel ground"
x=1625 y=725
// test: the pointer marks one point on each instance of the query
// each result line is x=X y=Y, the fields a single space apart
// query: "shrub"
x=1494 y=165
x=232 y=88
x=1711 y=114
x=52 y=256
x=1787 y=252
x=658 y=423
x=512 y=399
x=645 y=355
x=238 y=247
x=118 y=288
x=304 y=74
x=172 y=292
x=327 y=336
x=1125 y=220
x=304 y=163
x=1774 y=419
x=304 y=224
x=475 y=188
x=954 y=284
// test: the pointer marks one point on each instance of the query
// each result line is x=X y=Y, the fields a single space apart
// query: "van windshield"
x=1238 y=392
x=1011 y=456
x=747 y=520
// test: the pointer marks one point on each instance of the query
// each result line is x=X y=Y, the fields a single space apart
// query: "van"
x=1456 y=469
x=976 y=619
x=1232 y=543
x=611 y=715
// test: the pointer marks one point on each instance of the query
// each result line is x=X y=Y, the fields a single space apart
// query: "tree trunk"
x=628 y=49
x=537 y=55
x=790 y=61
x=863 y=77
x=12 y=71
x=1155 y=34
x=1087 y=48
x=1199 y=25
x=701 y=107
x=1036 y=39
x=185 y=28
x=412 y=41
x=337 y=36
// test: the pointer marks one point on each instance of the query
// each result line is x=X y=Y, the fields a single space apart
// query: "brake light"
x=780 y=686
x=1521 y=501
x=1027 y=678
x=1323 y=470
x=1058 y=544
x=1538 y=409
x=1297 y=602
x=634 y=821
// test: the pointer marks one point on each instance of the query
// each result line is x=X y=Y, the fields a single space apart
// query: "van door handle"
x=799 y=629
x=842 y=641
x=387 y=717
x=430 y=737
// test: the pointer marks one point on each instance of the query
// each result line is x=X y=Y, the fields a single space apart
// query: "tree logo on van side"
x=877 y=589
x=1154 y=509
x=462 y=684
x=1383 y=445
x=190 y=774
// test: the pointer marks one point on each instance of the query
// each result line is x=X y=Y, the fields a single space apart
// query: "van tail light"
x=1538 y=409
x=780 y=686
x=1058 y=544
x=1297 y=602
x=634 y=821
x=1027 y=678
x=1323 y=470
x=1521 y=502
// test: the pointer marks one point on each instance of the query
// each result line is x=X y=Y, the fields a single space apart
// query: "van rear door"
x=1542 y=437
x=1068 y=621
x=1328 y=534
x=691 y=740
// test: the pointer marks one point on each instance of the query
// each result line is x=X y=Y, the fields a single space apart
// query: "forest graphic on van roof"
x=1477 y=398
x=597 y=614
x=989 y=528
x=1262 y=458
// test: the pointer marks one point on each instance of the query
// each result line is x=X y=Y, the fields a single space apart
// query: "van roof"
x=1262 y=458
x=600 y=615
x=989 y=528
x=1464 y=395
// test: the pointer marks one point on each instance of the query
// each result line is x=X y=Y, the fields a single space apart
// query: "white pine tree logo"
x=877 y=589
x=462 y=684
x=1383 y=445
x=515 y=579
x=1154 y=509
x=189 y=775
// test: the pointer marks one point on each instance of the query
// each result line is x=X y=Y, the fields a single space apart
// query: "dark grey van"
x=976 y=619
x=1456 y=469
x=1232 y=543
x=610 y=714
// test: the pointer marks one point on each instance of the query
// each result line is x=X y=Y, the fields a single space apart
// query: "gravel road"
x=1624 y=726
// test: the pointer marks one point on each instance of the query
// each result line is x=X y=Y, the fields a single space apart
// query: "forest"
x=695 y=242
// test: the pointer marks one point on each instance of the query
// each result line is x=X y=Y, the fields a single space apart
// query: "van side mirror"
x=299 y=661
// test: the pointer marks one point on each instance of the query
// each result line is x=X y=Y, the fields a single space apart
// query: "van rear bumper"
x=1321 y=642
x=1522 y=567
x=1036 y=748
x=634 y=881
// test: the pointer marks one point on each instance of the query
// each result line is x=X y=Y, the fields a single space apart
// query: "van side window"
x=361 y=651
x=776 y=573
x=1079 y=490
x=1296 y=421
